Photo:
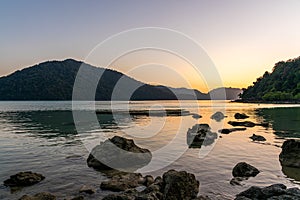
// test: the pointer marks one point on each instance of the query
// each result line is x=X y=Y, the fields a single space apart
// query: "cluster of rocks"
x=23 y=179
x=171 y=186
x=200 y=134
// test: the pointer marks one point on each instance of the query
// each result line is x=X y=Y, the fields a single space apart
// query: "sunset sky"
x=243 y=38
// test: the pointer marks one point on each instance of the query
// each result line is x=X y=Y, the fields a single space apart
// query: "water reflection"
x=285 y=123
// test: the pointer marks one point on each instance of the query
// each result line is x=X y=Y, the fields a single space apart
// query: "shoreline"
x=265 y=102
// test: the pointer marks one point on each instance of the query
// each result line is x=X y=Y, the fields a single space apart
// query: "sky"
x=242 y=38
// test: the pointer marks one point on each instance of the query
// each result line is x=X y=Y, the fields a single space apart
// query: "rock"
x=199 y=135
x=243 y=169
x=218 y=116
x=87 y=190
x=118 y=197
x=272 y=192
x=119 y=153
x=229 y=130
x=123 y=182
x=246 y=123
x=196 y=116
x=149 y=180
x=24 y=179
x=240 y=116
x=179 y=185
x=201 y=197
x=39 y=196
x=290 y=154
x=258 y=138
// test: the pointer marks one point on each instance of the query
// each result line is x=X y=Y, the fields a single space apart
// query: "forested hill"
x=283 y=84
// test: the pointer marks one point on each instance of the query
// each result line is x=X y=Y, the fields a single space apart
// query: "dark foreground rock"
x=243 y=169
x=199 y=135
x=240 y=116
x=272 y=192
x=39 y=196
x=173 y=185
x=87 y=190
x=229 y=130
x=119 y=153
x=258 y=138
x=290 y=154
x=218 y=116
x=23 y=179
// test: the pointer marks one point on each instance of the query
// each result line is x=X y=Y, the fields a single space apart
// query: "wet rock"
x=229 y=130
x=119 y=197
x=148 y=180
x=179 y=185
x=290 y=154
x=39 y=196
x=119 y=153
x=218 y=116
x=201 y=197
x=243 y=169
x=87 y=190
x=123 y=182
x=258 y=138
x=240 y=116
x=24 y=179
x=246 y=123
x=272 y=192
x=199 y=135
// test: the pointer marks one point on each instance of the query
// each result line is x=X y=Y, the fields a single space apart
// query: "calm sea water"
x=42 y=137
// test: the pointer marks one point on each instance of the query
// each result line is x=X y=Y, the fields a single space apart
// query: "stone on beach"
x=24 y=179
x=290 y=153
x=244 y=169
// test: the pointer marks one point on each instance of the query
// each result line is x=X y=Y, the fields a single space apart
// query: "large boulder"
x=243 y=169
x=179 y=185
x=39 y=196
x=24 y=179
x=272 y=192
x=118 y=153
x=290 y=154
x=199 y=135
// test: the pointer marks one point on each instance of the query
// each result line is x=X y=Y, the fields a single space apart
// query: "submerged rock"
x=258 y=138
x=196 y=116
x=272 y=192
x=39 y=196
x=290 y=154
x=246 y=123
x=199 y=135
x=229 y=130
x=119 y=153
x=240 y=116
x=24 y=179
x=218 y=116
x=243 y=169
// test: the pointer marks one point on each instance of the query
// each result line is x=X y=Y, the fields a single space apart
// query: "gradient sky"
x=243 y=38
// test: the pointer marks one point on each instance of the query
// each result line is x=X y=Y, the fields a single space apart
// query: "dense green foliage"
x=283 y=84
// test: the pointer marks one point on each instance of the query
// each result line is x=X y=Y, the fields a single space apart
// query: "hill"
x=54 y=80
x=283 y=84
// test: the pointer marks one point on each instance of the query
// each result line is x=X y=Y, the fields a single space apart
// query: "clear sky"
x=243 y=38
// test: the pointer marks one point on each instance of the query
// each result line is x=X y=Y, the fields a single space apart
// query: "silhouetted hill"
x=231 y=93
x=283 y=84
x=54 y=80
